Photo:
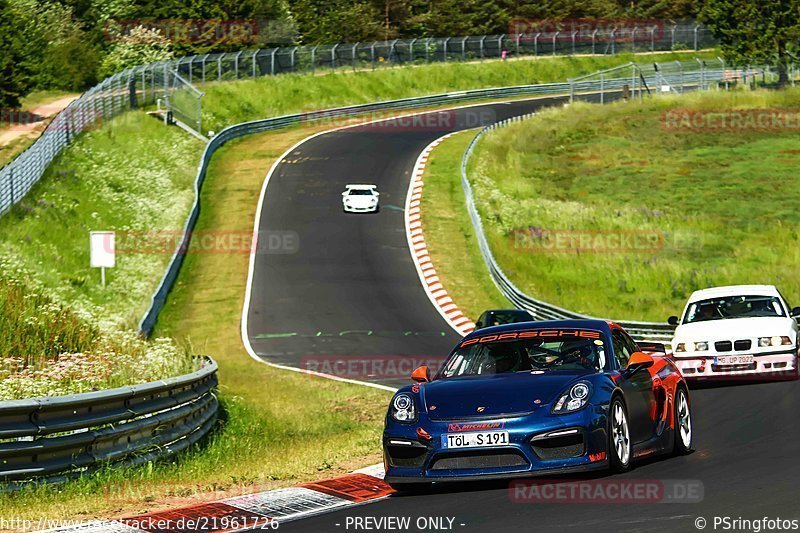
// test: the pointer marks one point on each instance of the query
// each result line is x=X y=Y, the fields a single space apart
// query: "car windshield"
x=561 y=351
x=360 y=192
x=733 y=307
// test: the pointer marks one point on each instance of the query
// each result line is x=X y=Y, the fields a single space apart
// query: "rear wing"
x=652 y=347
x=360 y=186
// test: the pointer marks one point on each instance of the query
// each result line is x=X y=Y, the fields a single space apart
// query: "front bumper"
x=351 y=209
x=771 y=364
x=531 y=450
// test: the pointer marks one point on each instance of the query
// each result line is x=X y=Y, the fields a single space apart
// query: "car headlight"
x=575 y=399
x=764 y=342
x=701 y=346
x=403 y=408
x=680 y=347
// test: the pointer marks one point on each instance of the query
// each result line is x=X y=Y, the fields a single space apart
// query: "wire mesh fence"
x=173 y=82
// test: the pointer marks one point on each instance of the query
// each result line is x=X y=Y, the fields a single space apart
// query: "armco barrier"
x=56 y=438
x=232 y=132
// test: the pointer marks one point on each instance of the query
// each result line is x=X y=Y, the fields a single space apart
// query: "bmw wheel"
x=619 y=437
x=683 y=423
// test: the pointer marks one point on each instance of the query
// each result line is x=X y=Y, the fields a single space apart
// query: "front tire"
x=683 y=423
x=619 y=437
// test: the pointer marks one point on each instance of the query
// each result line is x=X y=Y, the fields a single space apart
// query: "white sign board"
x=103 y=250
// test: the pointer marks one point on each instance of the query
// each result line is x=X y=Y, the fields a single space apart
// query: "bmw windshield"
x=734 y=307
x=493 y=354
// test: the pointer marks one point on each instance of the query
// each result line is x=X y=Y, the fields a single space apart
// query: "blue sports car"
x=536 y=398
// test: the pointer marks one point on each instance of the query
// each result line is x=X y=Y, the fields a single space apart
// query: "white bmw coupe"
x=360 y=199
x=736 y=331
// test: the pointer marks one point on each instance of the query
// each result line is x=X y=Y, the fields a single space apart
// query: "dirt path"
x=28 y=125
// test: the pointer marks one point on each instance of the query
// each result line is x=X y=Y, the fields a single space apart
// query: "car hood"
x=498 y=394
x=735 y=328
x=360 y=201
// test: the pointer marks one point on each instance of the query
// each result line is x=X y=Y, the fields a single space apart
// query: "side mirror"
x=673 y=321
x=640 y=360
x=795 y=312
x=344 y=193
x=377 y=193
x=421 y=374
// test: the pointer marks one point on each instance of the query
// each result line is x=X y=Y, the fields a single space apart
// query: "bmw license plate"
x=735 y=360
x=475 y=440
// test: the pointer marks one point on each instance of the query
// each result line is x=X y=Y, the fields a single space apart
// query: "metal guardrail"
x=246 y=128
x=238 y=130
x=60 y=437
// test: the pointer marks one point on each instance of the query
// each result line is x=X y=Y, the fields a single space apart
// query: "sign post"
x=103 y=252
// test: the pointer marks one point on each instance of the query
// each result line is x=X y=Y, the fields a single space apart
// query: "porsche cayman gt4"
x=536 y=398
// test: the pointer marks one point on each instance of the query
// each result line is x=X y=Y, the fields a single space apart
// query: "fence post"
x=500 y=45
x=411 y=50
x=444 y=49
x=652 y=39
x=602 y=88
x=254 y=62
x=519 y=35
x=594 y=34
x=272 y=62
x=427 y=49
x=555 y=36
x=355 y=46
x=536 y=44
x=463 y=49
x=292 y=58
x=333 y=55
x=574 y=34
x=481 y=48
x=191 y=60
x=633 y=39
x=372 y=53
x=672 y=41
x=695 y=37
x=11 y=185
x=313 y=58
x=613 y=43
x=219 y=68
x=236 y=64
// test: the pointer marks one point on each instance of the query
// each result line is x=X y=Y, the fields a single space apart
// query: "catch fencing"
x=172 y=82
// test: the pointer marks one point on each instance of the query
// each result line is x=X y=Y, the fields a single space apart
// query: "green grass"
x=449 y=234
x=722 y=203
x=132 y=175
x=267 y=438
x=237 y=101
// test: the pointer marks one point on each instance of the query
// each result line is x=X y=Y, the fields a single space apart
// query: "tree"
x=13 y=83
x=140 y=47
x=755 y=30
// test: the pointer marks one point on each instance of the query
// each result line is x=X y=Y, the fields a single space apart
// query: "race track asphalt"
x=351 y=290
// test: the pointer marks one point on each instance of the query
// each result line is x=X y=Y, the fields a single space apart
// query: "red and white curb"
x=261 y=511
x=419 y=249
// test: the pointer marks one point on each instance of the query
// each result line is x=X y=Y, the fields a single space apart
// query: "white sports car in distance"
x=736 y=331
x=360 y=198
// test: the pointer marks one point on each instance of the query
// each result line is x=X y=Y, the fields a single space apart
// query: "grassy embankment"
x=719 y=203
